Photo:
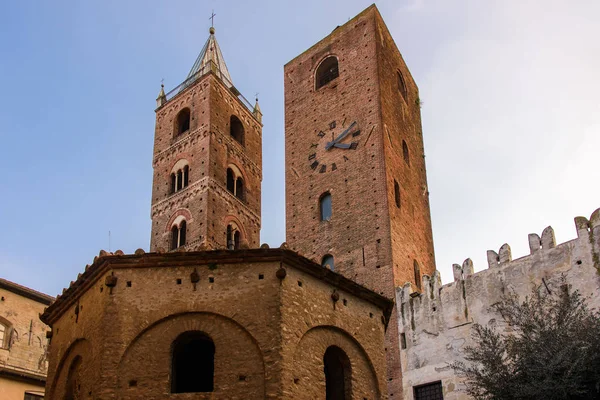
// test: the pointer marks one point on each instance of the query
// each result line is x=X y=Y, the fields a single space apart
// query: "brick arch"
x=242 y=171
x=147 y=358
x=236 y=220
x=183 y=212
x=181 y=156
x=79 y=348
x=308 y=357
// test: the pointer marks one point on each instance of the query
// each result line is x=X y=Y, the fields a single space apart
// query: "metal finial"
x=212 y=22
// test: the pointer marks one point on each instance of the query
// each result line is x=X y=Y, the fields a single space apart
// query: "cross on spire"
x=212 y=19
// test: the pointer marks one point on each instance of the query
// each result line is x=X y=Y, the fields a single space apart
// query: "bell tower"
x=207 y=161
x=356 y=187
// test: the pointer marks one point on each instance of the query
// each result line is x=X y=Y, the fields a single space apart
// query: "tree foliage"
x=549 y=348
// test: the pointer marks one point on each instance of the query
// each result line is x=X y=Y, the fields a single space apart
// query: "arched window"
x=173 y=183
x=401 y=85
x=183 y=121
x=178 y=234
x=417 y=271
x=325 y=206
x=234 y=237
x=236 y=129
x=180 y=176
x=239 y=188
x=338 y=374
x=73 y=380
x=193 y=363
x=327 y=262
x=326 y=72
x=397 y=193
x=235 y=182
x=230 y=181
x=405 y=152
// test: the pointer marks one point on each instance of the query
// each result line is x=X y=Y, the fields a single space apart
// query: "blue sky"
x=511 y=116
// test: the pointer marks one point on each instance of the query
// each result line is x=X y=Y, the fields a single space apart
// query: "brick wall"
x=373 y=241
x=270 y=334
x=209 y=150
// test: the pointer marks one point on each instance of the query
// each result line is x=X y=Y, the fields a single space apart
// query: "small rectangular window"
x=429 y=391
x=33 y=396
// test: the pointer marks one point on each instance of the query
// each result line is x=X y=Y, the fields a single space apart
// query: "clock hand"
x=340 y=137
x=352 y=145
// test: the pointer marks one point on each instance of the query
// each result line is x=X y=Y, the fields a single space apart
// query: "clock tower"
x=207 y=161
x=356 y=187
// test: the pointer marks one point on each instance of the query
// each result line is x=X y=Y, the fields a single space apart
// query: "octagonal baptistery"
x=223 y=324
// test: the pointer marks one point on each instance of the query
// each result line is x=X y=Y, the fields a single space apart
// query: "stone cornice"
x=176 y=200
x=107 y=262
x=26 y=292
x=188 y=139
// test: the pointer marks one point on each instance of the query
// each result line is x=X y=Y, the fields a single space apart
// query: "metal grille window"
x=430 y=391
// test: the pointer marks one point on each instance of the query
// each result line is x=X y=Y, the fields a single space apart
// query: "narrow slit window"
x=402 y=85
x=417 y=271
x=405 y=153
x=325 y=206
x=397 y=193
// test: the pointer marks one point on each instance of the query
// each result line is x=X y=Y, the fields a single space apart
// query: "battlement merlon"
x=588 y=231
x=435 y=323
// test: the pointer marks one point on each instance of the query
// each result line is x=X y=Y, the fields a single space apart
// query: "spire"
x=257 y=112
x=210 y=58
x=162 y=97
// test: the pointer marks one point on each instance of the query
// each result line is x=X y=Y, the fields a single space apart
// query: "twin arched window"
x=233 y=237
x=236 y=129
x=235 y=183
x=338 y=374
x=182 y=121
x=180 y=179
x=193 y=363
x=325 y=206
x=326 y=71
x=178 y=233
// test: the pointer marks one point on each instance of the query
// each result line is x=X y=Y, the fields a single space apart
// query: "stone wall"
x=437 y=323
x=23 y=354
x=270 y=328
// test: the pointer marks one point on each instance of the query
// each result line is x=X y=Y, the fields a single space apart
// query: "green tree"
x=549 y=349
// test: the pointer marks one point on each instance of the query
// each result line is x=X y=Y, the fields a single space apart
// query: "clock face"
x=333 y=146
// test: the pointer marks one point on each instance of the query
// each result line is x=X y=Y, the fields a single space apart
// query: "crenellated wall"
x=437 y=322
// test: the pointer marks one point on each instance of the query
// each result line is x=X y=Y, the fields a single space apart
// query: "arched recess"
x=236 y=129
x=237 y=353
x=73 y=372
x=182 y=122
x=327 y=71
x=309 y=356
